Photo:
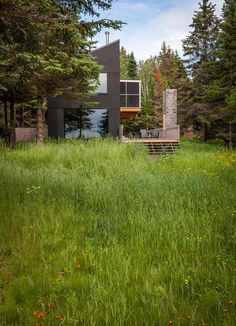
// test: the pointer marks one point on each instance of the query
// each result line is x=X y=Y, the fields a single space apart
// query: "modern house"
x=115 y=99
x=101 y=114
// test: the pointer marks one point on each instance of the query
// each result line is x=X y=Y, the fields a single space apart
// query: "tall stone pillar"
x=169 y=108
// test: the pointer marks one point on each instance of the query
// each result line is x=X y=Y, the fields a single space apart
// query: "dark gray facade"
x=109 y=57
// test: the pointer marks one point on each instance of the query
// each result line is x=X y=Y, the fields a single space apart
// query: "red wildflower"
x=41 y=315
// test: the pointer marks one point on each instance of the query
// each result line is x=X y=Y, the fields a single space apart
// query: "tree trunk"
x=12 y=135
x=5 y=115
x=22 y=115
x=39 y=132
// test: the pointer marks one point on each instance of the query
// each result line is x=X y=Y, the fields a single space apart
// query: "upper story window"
x=102 y=87
x=130 y=93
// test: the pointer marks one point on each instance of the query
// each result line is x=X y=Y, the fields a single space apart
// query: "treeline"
x=45 y=51
x=205 y=78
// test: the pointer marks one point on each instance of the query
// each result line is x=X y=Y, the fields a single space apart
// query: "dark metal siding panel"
x=56 y=123
x=109 y=57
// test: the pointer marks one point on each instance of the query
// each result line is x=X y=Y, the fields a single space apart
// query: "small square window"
x=133 y=88
x=132 y=101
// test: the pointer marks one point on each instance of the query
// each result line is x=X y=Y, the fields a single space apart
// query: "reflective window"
x=130 y=93
x=132 y=101
x=133 y=88
x=85 y=123
x=102 y=87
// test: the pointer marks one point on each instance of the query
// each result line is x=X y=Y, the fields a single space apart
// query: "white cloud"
x=127 y=7
x=150 y=27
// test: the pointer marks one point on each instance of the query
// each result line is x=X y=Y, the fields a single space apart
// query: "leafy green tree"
x=149 y=93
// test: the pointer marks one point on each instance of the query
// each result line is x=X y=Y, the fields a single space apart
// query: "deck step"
x=156 y=146
x=165 y=148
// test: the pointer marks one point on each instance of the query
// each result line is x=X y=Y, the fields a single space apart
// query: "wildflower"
x=7 y=282
x=41 y=315
x=58 y=317
x=78 y=265
x=186 y=280
x=62 y=273
x=171 y=322
x=189 y=317
x=52 y=305
x=35 y=312
x=231 y=302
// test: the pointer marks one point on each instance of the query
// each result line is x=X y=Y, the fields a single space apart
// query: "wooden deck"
x=149 y=140
x=156 y=146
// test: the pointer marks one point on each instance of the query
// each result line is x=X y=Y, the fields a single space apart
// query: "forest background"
x=45 y=51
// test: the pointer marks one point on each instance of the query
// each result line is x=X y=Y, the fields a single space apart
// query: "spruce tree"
x=198 y=48
x=132 y=66
x=123 y=64
x=199 y=45
x=221 y=91
x=44 y=50
x=226 y=53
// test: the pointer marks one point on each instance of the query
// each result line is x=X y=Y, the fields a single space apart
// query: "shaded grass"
x=100 y=234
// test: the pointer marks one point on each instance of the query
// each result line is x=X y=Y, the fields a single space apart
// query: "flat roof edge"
x=104 y=46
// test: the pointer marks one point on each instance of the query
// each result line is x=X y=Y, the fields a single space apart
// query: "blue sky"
x=150 y=22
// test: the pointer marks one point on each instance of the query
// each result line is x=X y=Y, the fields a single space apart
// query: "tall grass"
x=98 y=233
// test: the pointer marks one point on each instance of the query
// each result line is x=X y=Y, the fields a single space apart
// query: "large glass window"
x=102 y=87
x=85 y=123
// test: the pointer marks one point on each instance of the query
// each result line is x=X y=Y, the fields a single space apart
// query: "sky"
x=151 y=22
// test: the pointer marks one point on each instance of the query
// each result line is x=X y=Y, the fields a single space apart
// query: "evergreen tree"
x=221 y=91
x=132 y=67
x=123 y=64
x=44 y=50
x=198 y=48
x=175 y=76
x=201 y=42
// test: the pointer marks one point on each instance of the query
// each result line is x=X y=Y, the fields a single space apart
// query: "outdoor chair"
x=154 y=133
x=144 y=133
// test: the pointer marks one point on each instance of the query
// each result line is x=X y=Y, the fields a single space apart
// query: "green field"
x=99 y=233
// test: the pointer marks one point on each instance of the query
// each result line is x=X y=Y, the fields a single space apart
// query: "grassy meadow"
x=98 y=233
